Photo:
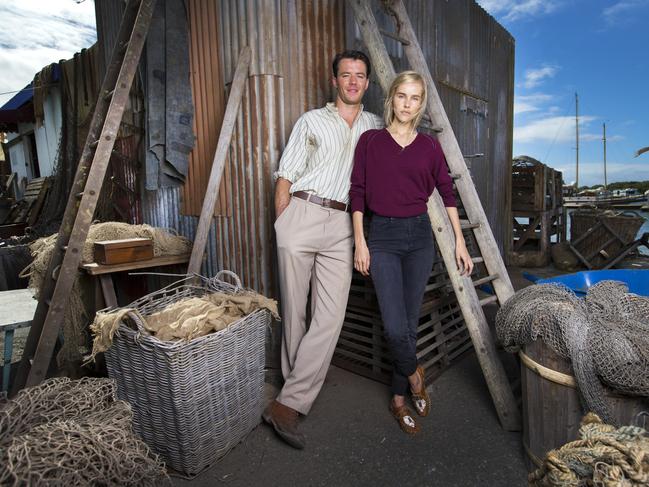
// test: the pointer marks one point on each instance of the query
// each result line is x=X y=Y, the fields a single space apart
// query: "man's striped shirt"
x=320 y=152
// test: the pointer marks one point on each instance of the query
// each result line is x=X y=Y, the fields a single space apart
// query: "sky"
x=596 y=48
x=37 y=33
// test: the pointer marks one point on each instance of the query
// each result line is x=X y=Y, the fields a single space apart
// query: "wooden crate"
x=537 y=212
x=441 y=334
x=110 y=252
x=598 y=237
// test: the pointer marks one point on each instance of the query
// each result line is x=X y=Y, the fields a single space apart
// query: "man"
x=314 y=238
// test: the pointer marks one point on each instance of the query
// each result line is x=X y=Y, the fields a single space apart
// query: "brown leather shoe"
x=283 y=419
x=421 y=399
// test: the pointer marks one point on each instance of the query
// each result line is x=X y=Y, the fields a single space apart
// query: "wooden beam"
x=212 y=191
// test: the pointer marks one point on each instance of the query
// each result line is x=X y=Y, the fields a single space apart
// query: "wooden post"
x=212 y=191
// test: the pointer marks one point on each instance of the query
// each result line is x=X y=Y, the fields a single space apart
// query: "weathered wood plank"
x=220 y=154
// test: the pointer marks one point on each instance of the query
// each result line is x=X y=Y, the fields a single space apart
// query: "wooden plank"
x=108 y=290
x=475 y=319
x=529 y=231
x=84 y=215
x=220 y=154
x=95 y=269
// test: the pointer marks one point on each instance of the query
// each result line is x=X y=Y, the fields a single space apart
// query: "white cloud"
x=591 y=173
x=512 y=10
x=621 y=11
x=36 y=33
x=530 y=103
x=550 y=129
x=534 y=77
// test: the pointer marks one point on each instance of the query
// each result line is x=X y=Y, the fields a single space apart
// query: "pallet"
x=442 y=335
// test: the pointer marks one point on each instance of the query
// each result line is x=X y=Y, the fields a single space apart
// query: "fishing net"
x=603 y=456
x=67 y=433
x=77 y=311
x=605 y=335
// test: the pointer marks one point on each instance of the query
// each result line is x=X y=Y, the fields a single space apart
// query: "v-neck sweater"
x=395 y=181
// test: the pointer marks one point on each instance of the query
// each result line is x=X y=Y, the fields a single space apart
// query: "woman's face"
x=407 y=101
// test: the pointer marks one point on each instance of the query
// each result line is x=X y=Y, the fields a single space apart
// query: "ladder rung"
x=455 y=176
x=48 y=301
x=64 y=248
x=488 y=300
x=485 y=280
x=403 y=41
x=467 y=225
x=477 y=260
x=108 y=94
x=79 y=195
x=474 y=156
x=94 y=144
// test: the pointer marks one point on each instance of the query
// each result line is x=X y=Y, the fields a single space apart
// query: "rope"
x=66 y=433
x=604 y=456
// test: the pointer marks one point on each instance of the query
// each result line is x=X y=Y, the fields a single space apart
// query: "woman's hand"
x=463 y=259
x=362 y=259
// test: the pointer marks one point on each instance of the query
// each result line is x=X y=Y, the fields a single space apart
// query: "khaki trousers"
x=314 y=246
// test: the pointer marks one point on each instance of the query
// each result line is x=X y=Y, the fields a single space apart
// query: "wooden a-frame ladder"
x=465 y=288
x=80 y=208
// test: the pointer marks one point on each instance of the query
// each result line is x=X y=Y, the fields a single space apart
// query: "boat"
x=618 y=198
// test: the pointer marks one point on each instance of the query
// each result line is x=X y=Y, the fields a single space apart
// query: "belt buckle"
x=326 y=202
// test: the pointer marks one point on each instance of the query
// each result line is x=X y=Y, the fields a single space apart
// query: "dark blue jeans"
x=402 y=252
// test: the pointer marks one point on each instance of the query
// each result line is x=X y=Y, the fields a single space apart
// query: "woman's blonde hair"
x=404 y=77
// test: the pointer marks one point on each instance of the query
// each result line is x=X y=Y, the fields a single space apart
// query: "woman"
x=396 y=169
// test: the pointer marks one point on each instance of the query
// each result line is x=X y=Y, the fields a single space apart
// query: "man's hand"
x=282 y=196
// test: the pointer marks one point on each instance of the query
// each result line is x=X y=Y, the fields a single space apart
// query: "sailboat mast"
x=577 y=139
x=604 y=139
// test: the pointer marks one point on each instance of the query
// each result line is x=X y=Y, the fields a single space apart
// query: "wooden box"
x=109 y=252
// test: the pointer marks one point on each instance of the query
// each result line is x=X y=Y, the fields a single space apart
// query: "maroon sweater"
x=394 y=181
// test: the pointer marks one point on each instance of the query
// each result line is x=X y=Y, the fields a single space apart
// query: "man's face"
x=352 y=81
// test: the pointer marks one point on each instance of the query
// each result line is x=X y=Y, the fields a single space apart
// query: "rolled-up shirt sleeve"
x=295 y=155
x=443 y=181
x=357 y=189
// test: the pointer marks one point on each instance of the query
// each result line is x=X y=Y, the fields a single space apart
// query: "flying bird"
x=641 y=151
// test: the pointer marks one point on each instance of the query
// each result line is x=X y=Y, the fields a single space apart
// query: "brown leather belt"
x=324 y=202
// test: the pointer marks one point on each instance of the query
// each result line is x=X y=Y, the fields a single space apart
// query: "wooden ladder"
x=80 y=208
x=465 y=288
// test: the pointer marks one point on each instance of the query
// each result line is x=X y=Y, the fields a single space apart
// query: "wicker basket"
x=192 y=401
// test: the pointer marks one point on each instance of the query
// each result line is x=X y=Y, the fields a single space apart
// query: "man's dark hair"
x=355 y=55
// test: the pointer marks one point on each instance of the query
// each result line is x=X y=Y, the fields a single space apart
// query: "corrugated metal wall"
x=293 y=42
x=121 y=192
x=209 y=102
x=472 y=60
